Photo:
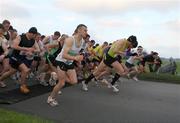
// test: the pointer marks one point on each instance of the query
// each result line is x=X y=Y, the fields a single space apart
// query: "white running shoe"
x=52 y=102
x=59 y=92
x=2 y=84
x=128 y=76
x=109 y=85
x=84 y=86
x=115 y=89
x=52 y=82
x=14 y=77
x=135 y=78
x=53 y=79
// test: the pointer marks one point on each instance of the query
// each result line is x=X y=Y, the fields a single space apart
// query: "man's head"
x=32 y=32
x=132 y=39
x=105 y=44
x=6 y=25
x=42 y=37
x=139 y=49
x=86 y=39
x=155 y=55
x=92 y=42
x=14 y=34
x=38 y=37
x=63 y=37
x=57 y=34
x=81 y=29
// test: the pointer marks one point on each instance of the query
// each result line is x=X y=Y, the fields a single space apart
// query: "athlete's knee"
x=122 y=73
x=74 y=82
x=26 y=70
x=61 y=83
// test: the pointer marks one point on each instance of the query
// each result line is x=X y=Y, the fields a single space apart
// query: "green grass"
x=7 y=116
x=167 y=78
x=163 y=77
x=178 y=66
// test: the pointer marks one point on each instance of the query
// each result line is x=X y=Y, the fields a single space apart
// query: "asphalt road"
x=137 y=102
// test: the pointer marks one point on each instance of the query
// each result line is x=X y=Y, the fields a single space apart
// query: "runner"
x=23 y=48
x=6 y=25
x=49 y=40
x=130 y=64
x=149 y=59
x=64 y=61
x=3 y=51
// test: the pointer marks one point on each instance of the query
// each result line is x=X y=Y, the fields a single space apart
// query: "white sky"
x=156 y=23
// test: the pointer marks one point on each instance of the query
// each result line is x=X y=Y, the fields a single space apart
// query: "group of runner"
x=68 y=59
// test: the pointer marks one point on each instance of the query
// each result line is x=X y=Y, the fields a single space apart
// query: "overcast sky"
x=156 y=23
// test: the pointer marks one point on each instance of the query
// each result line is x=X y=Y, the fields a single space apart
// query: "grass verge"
x=7 y=116
x=167 y=78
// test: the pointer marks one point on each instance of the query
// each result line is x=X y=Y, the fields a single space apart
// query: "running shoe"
x=84 y=86
x=52 y=102
x=24 y=89
x=2 y=85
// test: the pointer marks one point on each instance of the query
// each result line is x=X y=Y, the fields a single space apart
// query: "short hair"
x=42 y=37
x=93 y=41
x=88 y=36
x=155 y=53
x=78 y=27
x=133 y=40
x=6 y=22
x=64 y=35
x=105 y=43
x=57 y=33
x=11 y=28
x=33 y=30
x=38 y=33
x=14 y=30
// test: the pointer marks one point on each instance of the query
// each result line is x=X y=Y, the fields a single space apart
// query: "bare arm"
x=16 y=44
x=5 y=47
x=36 y=47
x=46 y=40
x=68 y=45
x=67 y=48
x=49 y=46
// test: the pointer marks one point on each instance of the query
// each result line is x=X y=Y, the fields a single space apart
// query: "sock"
x=116 y=77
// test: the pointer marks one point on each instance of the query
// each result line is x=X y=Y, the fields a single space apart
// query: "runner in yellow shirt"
x=99 y=52
x=111 y=59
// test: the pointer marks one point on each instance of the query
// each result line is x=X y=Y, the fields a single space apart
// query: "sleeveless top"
x=123 y=48
x=130 y=60
x=73 y=52
x=51 y=41
x=24 y=42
